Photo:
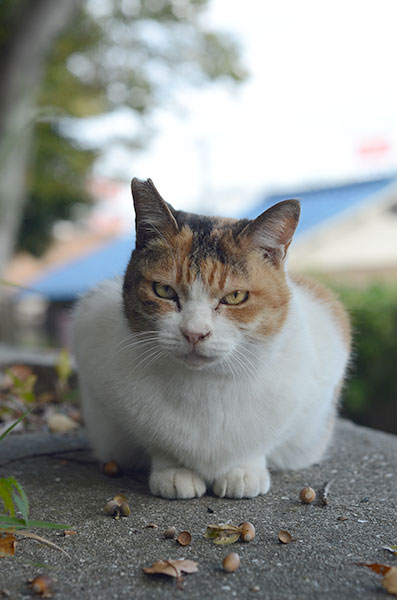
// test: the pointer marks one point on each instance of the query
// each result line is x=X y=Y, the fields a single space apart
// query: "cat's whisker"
x=135 y=343
x=249 y=362
x=146 y=355
x=134 y=335
x=242 y=361
x=229 y=364
x=162 y=352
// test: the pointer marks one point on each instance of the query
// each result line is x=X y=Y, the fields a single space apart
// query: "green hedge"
x=370 y=395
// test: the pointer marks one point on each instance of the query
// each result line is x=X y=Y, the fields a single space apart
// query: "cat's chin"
x=197 y=361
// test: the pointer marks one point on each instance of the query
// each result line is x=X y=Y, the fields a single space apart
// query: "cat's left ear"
x=273 y=230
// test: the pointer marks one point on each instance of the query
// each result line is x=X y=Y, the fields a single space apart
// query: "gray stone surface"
x=108 y=555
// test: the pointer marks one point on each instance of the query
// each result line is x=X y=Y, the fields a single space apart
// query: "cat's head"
x=204 y=288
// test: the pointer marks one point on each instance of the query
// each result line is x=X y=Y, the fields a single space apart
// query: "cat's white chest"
x=201 y=421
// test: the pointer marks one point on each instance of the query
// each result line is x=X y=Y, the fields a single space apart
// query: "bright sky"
x=323 y=85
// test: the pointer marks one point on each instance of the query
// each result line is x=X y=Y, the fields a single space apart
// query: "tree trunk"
x=36 y=25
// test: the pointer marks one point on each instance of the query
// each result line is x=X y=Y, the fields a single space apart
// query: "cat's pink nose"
x=194 y=337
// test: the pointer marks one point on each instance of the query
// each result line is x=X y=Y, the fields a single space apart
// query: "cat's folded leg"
x=169 y=480
x=244 y=481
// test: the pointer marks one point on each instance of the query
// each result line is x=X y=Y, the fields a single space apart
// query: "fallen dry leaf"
x=284 y=537
x=151 y=526
x=223 y=533
x=69 y=532
x=7 y=544
x=389 y=579
x=172 y=568
x=376 y=567
x=59 y=423
x=184 y=538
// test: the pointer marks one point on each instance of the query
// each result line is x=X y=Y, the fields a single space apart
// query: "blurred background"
x=229 y=107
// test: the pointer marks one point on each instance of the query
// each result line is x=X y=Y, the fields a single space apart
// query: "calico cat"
x=207 y=362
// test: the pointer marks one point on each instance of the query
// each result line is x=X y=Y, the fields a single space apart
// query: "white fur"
x=216 y=418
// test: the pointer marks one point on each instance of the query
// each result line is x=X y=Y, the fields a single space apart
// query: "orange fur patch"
x=269 y=295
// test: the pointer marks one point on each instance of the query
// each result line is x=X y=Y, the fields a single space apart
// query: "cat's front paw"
x=242 y=482
x=176 y=483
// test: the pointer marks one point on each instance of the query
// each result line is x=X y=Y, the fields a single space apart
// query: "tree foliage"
x=116 y=53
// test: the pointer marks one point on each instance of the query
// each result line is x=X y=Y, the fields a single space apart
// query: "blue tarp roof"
x=318 y=205
x=321 y=204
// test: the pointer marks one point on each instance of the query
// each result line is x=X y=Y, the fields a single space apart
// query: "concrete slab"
x=65 y=485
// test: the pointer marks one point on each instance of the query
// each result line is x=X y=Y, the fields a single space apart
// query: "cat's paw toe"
x=176 y=483
x=241 y=482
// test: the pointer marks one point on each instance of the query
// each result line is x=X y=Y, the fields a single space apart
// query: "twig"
x=323 y=493
x=38 y=538
x=39 y=454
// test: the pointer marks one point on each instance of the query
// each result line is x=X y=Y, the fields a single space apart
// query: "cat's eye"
x=164 y=291
x=236 y=297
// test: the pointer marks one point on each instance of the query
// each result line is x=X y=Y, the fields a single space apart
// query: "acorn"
x=170 y=533
x=284 y=536
x=307 y=495
x=125 y=509
x=112 y=508
x=247 y=531
x=119 y=498
x=111 y=469
x=43 y=585
x=184 y=538
x=231 y=562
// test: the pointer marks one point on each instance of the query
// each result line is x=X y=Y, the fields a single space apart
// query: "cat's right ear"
x=153 y=217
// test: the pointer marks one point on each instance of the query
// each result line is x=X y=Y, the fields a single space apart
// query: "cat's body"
x=239 y=370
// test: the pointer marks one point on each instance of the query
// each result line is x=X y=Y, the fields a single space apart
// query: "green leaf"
x=6 y=495
x=7 y=431
x=63 y=366
x=21 y=500
x=20 y=523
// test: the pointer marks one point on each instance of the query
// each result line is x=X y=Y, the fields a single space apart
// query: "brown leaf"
x=284 y=537
x=389 y=581
x=184 y=538
x=7 y=544
x=377 y=567
x=69 y=532
x=172 y=568
x=151 y=526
